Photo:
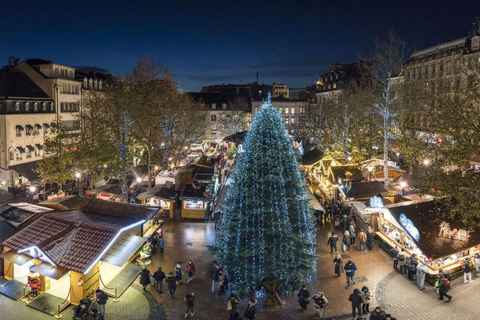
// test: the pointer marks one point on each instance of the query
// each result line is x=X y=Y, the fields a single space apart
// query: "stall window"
x=193 y=204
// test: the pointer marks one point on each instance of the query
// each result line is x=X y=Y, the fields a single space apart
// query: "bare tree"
x=233 y=119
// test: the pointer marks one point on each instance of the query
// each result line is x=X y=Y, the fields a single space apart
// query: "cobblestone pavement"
x=133 y=305
x=403 y=299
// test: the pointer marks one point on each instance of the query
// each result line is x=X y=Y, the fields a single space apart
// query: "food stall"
x=108 y=192
x=417 y=227
x=162 y=197
x=195 y=199
x=52 y=249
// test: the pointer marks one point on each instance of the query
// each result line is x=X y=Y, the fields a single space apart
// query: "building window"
x=457 y=65
x=46 y=126
x=37 y=150
x=35 y=106
x=302 y=110
x=224 y=106
x=18 y=130
x=287 y=110
x=37 y=127
x=286 y=121
x=449 y=67
x=11 y=156
x=44 y=106
x=214 y=106
x=27 y=106
x=52 y=106
x=56 y=71
x=433 y=70
x=29 y=130
x=28 y=152
x=214 y=117
x=335 y=85
x=292 y=121
x=17 y=106
x=18 y=154
x=292 y=110
x=329 y=87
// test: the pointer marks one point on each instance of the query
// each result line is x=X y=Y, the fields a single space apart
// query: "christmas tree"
x=267 y=227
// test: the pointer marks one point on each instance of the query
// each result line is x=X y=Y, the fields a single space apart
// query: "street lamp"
x=32 y=189
x=349 y=158
x=105 y=166
x=426 y=162
x=156 y=167
x=139 y=179
x=77 y=176
x=403 y=184
x=370 y=170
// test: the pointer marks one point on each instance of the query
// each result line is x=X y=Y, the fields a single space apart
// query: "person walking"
x=353 y=235
x=476 y=259
x=101 y=297
x=222 y=282
x=395 y=252
x=347 y=240
x=370 y=235
x=214 y=275
x=338 y=265
x=412 y=266
x=178 y=273
x=422 y=270
x=332 y=241
x=172 y=283
x=190 y=300
x=251 y=311
x=145 y=278
x=303 y=297
x=161 y=244
x=442 y=286
x=357 y=301
x=350 y=269
x=217 y=215
x=362 y=238
x=367 y=297
x=467 y=271
x=320 y=302
x=190 y=270
x=402 y=261
x=159 y=275
x=232 y=306
x=377 y=314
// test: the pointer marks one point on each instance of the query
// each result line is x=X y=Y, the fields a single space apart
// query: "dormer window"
x=35 y=106
x=27 y=106
x=52 y=107
x=17 y=106
x=214 y=106
x=44 y=106
x=100 y=85
x=224 y=106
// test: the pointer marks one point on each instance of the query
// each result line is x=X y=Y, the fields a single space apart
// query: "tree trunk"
x=385 y=151
x=149 y=167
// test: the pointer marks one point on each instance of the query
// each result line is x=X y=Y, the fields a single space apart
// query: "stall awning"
x=16 y=258
x=49 y=271
x=27 y=170
x=314 y=202
x=123 y=251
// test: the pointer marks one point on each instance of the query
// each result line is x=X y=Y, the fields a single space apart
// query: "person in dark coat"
x=232 y=306
x=303 y=297
x=190 y=300
x=161 y=244
x=251 y=311
x=350 y=269
x=172 y=283
x=159 y=275
x=96 y=315
x=442 y=286
x=377 y=314
x=145 y=278
x=370 y=235
x=332 y=241
x=357 y=301
x=214 y=275
x=412 y=266
x=338 y=265
x=101 y=298
x=395 y=252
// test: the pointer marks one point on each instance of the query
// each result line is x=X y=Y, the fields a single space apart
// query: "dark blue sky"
x=206 y=42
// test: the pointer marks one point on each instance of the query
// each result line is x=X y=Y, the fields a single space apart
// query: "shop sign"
x=408 y=225
x=376 y=202
x=447 y=232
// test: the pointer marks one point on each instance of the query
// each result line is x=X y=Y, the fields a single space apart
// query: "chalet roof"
x=75 y=239
x=161 y=192
x=191 y=193
x=426 y=218
x=117 y=209
x=365 y=189
x=18 y=213
x=109 y=188
x=311 y=156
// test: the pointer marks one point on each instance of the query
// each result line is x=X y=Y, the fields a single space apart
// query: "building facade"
x=26 y=112
x=292 y=111
x=280 y=90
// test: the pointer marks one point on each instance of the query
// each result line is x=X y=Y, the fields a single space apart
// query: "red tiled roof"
x=71 y=239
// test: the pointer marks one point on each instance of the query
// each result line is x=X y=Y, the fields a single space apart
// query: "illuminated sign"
x=408 y=225
x=376 y=202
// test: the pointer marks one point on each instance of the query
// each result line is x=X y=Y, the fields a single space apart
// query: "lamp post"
x=426 y=162
x=77 y=178
x=403 y=184
x=32 y=190
x=370 y=170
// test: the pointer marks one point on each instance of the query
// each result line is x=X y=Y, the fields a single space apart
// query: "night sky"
x=209 y=42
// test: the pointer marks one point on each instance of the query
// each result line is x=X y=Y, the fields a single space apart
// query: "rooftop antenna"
x=257 y=77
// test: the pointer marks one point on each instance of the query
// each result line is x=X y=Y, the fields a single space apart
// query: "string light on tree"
x=267 y=227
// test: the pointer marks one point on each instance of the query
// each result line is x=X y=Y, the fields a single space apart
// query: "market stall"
x=161 y=197
x=417 y=227
x=108 y=192
x=195 y=201
x=52 y=250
